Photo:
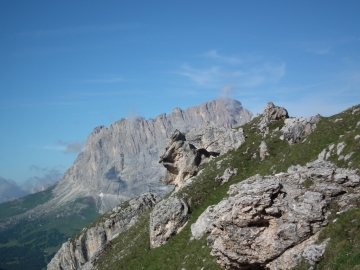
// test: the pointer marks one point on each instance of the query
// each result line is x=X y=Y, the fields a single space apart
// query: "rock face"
x=296 y=129
x=167 y=219
x=185 y=153
x=264 y=217
x=272 y=112
x=81 y=252
x=120 y=161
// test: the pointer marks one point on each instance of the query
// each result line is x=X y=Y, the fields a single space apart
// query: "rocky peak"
x=272 y=112
x=120 y=161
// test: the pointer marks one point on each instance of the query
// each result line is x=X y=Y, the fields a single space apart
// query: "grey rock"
x=167 y=219
x=314 y=253
x=185 y=153
x=263 y=150
x=265 y=217
x=270 y=113
x=296 y=129
x=293 y=256
x=228 y=173
x=348 y=156
x=203 y=224
x=83 y=251
x=340 y=147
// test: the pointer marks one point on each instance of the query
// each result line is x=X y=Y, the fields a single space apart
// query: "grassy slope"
x=131 y=249
x=32 y=244
x=19 y=206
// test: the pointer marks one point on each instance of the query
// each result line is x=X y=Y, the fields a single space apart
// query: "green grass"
x=19 y=206
x=131 y=249
x=32 y=244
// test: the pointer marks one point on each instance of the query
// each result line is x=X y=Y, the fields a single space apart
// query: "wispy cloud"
x=202 y=77
x=213 y=54
x=66 y=147
x=247 y=75
x=45 y=177
x=74 y=147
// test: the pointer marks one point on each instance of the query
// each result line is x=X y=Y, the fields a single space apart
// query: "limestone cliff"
x=82 y=251
x=121 y=161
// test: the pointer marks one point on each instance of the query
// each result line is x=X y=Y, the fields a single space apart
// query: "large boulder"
x=265 y=217
x=185 y=153
x=167 y=219
x=271 y=113
x=296 y=129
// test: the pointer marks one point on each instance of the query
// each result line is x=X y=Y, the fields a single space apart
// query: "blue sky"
x=69 y=66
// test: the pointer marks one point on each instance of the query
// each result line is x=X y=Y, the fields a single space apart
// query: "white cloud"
x=202 y=77
x=66 y=147
x=74 y=147
x=250 y=75
x=9 y=190
x=230 y=60
x=48 y=177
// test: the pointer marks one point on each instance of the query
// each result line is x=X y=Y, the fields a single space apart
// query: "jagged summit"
x=121 y=161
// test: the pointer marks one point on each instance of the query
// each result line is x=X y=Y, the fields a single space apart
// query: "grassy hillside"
x=32 y=244
x=131 y=249
x=19 y=206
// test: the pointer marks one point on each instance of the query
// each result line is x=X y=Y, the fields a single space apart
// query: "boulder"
x=228 y=173
x=185 y=153
x=270 y=113
x=296 y=129
x=167 y=219
x=266 y=220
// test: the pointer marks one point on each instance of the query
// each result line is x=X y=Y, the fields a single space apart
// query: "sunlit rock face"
x=121 y=161
x=267 y=219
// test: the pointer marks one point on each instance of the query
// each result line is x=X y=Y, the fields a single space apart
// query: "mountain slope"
x=336 y=138
x=119 y=162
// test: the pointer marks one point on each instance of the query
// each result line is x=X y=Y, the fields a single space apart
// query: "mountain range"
x=119 y=162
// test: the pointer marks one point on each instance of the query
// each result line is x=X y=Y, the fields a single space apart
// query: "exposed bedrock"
x=185 y=153
x=265 y=217
x=83 y=250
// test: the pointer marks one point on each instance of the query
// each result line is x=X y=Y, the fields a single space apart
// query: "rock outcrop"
x=167 y=219
x=185 y=153
x=82 y=251
x=264 y=217
x=270 y=113
x=296 y=129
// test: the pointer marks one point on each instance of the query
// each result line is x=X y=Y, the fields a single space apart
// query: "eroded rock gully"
x=267 y=219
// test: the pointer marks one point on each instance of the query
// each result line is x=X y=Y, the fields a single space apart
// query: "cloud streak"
x=213 y=54
x=247 y=75
x=66 y=147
